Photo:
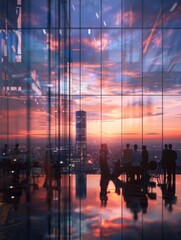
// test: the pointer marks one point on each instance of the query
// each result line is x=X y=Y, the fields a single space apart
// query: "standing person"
x=126 y=159
x=135 y=162
x=171 y=163
x=5 y=151
x=127 y=154
x=16 y=150
x=144 y=161
x=103 y=160
x=5 y=160
x=164 y=161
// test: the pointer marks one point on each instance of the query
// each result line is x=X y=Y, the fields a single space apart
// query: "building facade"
x=81 y=135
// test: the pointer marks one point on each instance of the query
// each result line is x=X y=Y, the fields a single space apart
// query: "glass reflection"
x=116 y=60
x=100 y=204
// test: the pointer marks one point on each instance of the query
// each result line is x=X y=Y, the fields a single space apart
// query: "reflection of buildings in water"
x=81 y=186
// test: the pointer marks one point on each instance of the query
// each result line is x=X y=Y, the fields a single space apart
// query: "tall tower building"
x=81 y=135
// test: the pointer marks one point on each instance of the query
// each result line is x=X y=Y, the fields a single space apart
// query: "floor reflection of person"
x=135 y=194
x=135 y=198
x=168 y=194
x=104 y=181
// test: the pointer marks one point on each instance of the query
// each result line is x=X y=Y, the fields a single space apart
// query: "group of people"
x=135 y=162
x=6 y=151
x=139 y=162
x=168 y=162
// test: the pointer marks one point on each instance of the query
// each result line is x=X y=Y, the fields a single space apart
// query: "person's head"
x=144 y=147
x=127 y=145
x=170 y=146
x=166 y=146
x=135 y=147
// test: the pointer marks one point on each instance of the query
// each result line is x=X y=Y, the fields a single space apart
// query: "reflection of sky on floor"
x=133 y=214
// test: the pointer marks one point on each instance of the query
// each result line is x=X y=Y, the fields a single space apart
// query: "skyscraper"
x=81 y=135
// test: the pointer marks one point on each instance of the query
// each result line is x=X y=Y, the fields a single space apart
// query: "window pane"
x=90 y=13
x=171 y=14
x=172 y=61
x=131 y=62
x=152 y=14
x=171 y=118
x=75 y=13
x=35 y=14
x=152 y=62
x=152 y=119
x=111 y=62
x=111 y=13
x=132 y=118
x=132 y=13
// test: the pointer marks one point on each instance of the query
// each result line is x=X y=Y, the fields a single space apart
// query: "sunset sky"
x=123 y=63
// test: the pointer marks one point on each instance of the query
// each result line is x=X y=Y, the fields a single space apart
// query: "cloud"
x=152 y=133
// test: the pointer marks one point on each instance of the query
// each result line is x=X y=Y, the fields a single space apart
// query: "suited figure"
x=171 y=163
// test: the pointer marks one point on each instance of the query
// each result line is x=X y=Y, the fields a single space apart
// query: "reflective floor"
x=90 y=207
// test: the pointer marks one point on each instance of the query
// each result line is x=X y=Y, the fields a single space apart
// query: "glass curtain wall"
x=120 y=63
x=117 y=61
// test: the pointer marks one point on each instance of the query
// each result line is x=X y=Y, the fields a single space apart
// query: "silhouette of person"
x=16 y=150
x=116 y=171
x=135 y=198
x=171 y=163
x=144 y=161
x=126 y=159
x=127 y=154
x=104 y=181
x=5 y=151
x=164 y=161
x=135 y=163
x=5 y=161
x=168 y=194
x=103 y=160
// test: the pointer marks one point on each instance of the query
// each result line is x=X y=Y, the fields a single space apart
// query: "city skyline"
x=121 y=65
